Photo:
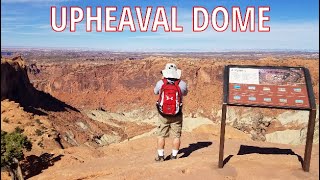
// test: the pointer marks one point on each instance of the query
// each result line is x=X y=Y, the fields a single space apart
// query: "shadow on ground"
x=34 y=165
x=193 y=147
x=262 y=150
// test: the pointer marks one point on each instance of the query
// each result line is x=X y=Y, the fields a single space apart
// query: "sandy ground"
x=198 y=160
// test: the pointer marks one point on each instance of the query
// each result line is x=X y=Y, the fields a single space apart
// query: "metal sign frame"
x=311 y=109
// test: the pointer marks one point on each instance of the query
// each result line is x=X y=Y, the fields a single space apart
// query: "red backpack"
x=169 y=102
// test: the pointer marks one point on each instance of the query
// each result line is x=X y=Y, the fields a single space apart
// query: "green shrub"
x=12 y=146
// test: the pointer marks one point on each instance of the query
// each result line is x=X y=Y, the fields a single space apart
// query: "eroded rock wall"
x=127 y=87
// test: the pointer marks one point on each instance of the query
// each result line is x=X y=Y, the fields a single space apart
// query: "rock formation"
x=126 y=87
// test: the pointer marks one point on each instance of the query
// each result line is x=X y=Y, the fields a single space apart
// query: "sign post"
x=269 y=87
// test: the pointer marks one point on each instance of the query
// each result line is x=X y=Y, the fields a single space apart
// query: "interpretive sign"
x=269 y=87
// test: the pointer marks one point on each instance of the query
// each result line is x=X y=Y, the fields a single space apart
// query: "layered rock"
x=127 y=87
x=61 y=122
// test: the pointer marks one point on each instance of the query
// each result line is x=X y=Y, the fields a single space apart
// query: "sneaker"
x=159 y=158
x=173 y=157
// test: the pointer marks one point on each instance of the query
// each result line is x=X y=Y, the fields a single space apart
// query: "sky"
x=294 y=26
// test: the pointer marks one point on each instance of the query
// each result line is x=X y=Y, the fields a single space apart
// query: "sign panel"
x=268 y=86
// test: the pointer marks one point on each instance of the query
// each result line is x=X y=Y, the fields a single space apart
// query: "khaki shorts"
x=169 y=124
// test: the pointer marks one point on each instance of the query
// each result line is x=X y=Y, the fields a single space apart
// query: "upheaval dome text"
x=113 y=19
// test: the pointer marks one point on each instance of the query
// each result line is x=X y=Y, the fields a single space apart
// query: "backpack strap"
x=177 y=83
x=165 y=81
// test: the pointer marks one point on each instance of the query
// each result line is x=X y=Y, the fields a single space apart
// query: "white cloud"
x=282 y=36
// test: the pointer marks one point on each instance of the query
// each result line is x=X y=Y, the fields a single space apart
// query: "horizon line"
x=187 y=50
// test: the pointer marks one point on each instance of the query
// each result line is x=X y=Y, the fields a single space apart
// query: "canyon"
x=126 y=87
x=81 y=109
